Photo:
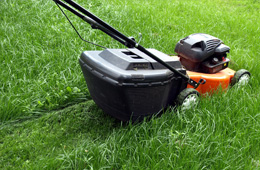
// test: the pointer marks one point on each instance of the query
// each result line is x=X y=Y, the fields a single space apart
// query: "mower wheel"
x=188 y=98
x=241 y=78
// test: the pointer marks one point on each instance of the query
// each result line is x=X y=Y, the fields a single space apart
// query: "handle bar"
x=97 y=23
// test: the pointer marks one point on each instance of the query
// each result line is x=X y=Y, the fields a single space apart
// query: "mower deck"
x=213 y=81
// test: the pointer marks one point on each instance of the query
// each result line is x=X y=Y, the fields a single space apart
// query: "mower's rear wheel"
x=188 y=98
x=241 y=78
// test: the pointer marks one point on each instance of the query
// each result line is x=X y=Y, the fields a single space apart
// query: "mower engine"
x=202 y=53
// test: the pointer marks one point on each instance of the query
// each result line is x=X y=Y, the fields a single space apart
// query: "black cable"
x=76 y=29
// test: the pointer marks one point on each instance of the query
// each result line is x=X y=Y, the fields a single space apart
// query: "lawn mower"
x=133 y=83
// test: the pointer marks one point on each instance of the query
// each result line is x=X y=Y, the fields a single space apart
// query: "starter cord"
x=76 y=29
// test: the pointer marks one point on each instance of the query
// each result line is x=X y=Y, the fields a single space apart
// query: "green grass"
x=48 y=120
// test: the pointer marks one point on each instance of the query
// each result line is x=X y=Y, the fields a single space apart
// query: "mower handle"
x=97 y=23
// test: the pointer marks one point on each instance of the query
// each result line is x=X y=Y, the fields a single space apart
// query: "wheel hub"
x=190 y=101
x=244 y=79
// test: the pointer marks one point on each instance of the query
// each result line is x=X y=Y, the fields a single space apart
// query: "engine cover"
x=202 y=53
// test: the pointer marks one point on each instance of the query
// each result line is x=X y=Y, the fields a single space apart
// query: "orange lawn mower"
x=133 y=83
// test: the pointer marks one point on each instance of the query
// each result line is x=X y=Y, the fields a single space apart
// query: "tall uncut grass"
x=48 y=120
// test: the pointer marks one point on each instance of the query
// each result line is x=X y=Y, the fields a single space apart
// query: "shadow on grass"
x=48 y=135
x=85 y=118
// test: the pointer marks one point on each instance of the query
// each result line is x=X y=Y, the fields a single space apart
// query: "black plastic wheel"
x=188 y=98
x=241 y=78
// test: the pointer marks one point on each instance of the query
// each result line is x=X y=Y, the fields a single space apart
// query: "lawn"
x=47 y=117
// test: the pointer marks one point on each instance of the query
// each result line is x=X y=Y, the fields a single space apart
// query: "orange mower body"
x=213 y=81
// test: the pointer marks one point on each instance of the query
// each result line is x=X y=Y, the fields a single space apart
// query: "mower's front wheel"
x=188 y=98
x=241 y=78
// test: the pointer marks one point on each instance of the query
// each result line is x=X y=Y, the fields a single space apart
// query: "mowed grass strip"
x=213 y=136
x=40 y=73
